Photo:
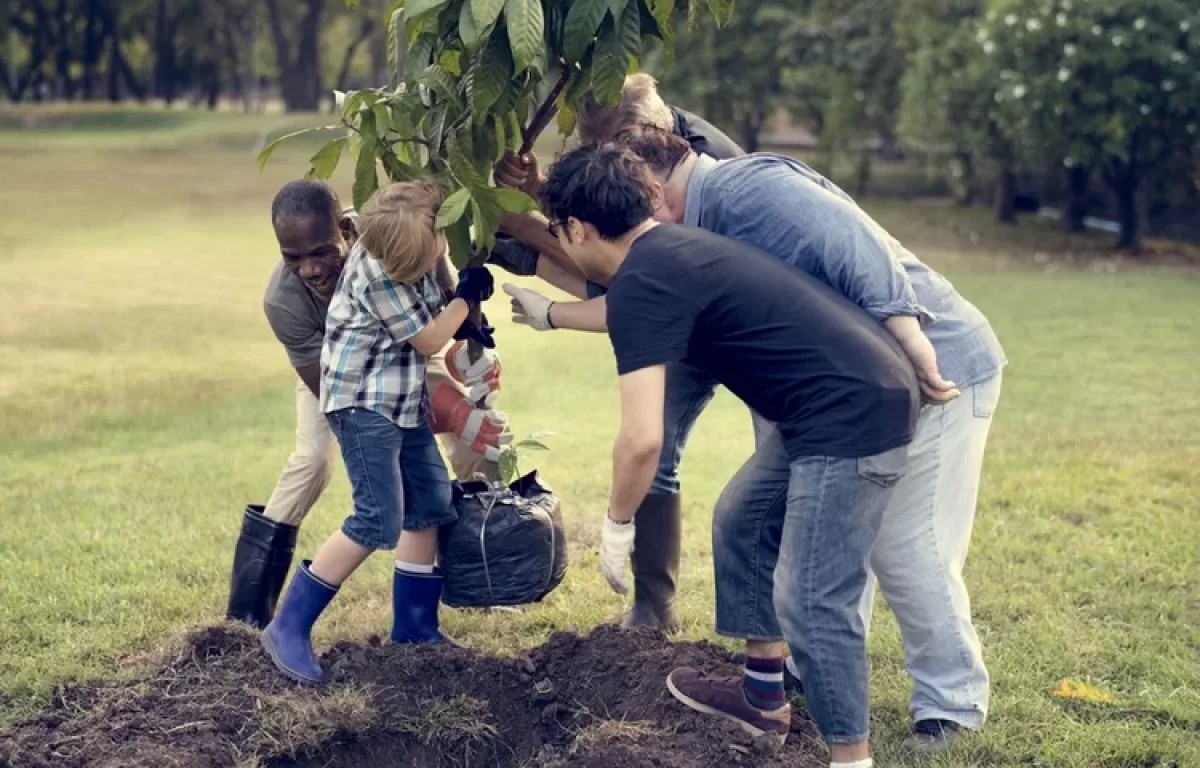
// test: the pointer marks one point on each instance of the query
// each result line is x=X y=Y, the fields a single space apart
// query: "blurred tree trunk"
x=300 y=76
x=365 y=28
x=377 y=45
x=1003 y=205
x=62 y=54
x=93 y=44
x=164 y=53
x=963 y=178
x=1075 y=208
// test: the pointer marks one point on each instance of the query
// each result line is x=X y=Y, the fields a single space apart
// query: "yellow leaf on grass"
x=1075 y=689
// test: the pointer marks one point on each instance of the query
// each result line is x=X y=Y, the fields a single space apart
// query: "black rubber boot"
x=260 y=566
x=655 y=563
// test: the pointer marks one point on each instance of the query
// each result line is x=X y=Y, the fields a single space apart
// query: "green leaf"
x=486 y=12
x=631 y=32
x=609 y=64
x=453 y=208
x=508 y=465
x=269 y=150
x=515 y=201
x=487 y=213
x=451 y=61
x=526 y=23
x=325 y=161
x=419 y=55
x=366 y=178
x=489 y=75
x=416 y=9
x=583 y=19
x=565 y=120
x=397 y=43
x=468 y=30
x=458 y=238
x=531 y=444
x=396 y=169
x=441 y=82
x=617 y=7
x=514 y=132
x=662 y=10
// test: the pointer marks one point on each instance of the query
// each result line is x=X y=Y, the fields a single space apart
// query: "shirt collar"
x=695 y=186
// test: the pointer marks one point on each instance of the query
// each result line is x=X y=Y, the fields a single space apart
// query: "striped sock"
x=763 y=683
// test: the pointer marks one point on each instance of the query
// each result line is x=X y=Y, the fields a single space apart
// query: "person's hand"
x=475 y=285
x=616 y=545
x=530 y=307
x=481 y=378
x=518 y=172
x=921 y=354
x=484 y=431
x=468 y=331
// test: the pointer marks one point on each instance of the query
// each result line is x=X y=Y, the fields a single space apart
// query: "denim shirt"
x=789 y=210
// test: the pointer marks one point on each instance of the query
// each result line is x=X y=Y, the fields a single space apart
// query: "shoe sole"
x=775 y=739
x=265 y=641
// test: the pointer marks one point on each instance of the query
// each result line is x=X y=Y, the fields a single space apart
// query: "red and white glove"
x=481 y=378
x=483 y=431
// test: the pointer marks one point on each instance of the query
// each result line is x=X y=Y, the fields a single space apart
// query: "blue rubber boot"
x=288 y=638
x=415 y=599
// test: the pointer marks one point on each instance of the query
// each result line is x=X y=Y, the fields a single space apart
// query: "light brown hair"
x=640 y=105
x=396 y=226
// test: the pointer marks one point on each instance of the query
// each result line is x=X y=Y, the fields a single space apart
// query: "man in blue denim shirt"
x=785 y=208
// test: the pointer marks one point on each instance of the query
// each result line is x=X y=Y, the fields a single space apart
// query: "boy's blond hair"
x=640 y=106
x=396 y=226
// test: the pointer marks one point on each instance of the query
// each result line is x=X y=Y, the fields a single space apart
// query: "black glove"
x=474 y=285
x=514 y=256
x=468 y=331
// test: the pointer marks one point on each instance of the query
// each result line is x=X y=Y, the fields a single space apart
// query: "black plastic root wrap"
x=507 y=547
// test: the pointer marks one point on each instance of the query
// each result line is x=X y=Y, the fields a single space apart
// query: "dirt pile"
x=576 y=702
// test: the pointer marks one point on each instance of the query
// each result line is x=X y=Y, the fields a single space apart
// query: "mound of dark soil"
x=581 y=702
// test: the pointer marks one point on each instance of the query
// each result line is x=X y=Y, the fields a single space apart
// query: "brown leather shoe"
x=655 y=562
x=723 y=696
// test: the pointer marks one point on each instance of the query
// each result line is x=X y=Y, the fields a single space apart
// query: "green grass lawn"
x=144 y=401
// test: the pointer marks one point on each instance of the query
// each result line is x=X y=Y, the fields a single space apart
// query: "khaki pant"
x=308 y=469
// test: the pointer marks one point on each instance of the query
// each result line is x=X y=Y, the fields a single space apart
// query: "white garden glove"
x=530 y=307
x=616 y=545
x=480 y=378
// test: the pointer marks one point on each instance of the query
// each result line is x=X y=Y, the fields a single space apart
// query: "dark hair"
x=662 y=150
x=306 y=198
x=606 y=186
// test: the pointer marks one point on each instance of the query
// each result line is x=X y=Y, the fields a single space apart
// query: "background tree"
x=742 y=74
x=1109 y=84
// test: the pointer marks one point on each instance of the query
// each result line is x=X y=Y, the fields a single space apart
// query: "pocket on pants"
x=985 y=396
x=884 y=469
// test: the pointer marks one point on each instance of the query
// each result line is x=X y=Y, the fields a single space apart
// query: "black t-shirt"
x=705 y=138
x=785 y=343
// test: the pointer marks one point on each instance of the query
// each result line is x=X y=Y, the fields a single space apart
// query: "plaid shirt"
x=366 y=361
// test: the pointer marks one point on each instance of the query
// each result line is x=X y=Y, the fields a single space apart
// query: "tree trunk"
x=62 y=57
x=93 y=43
x=300 y=78
x=164 y=54
x=364 y=31
x=1075 y=208
x=1003 y=205
x=963 y=178
x=114 y=70
x=862 y=174
x=750 y=129
x=377 y=45
x=1125 y=188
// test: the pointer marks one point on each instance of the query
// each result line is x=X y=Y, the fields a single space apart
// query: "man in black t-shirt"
x=841 y=392
x=689 y=389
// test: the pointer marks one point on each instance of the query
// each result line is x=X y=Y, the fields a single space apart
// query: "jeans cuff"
x=847 y=739
x=362 y=541
x=750 y=636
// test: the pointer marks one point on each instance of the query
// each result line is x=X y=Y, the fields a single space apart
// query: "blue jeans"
x=398 y=478
x=688 y=391
x=791 y=539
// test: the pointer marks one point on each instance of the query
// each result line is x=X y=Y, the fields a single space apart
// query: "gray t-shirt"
x=296 y=315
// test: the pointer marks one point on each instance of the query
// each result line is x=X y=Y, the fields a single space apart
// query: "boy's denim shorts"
x=397 y=475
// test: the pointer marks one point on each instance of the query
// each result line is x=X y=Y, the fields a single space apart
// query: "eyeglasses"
x=556 y=226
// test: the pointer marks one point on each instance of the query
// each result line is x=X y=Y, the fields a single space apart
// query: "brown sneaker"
x=723 y=696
